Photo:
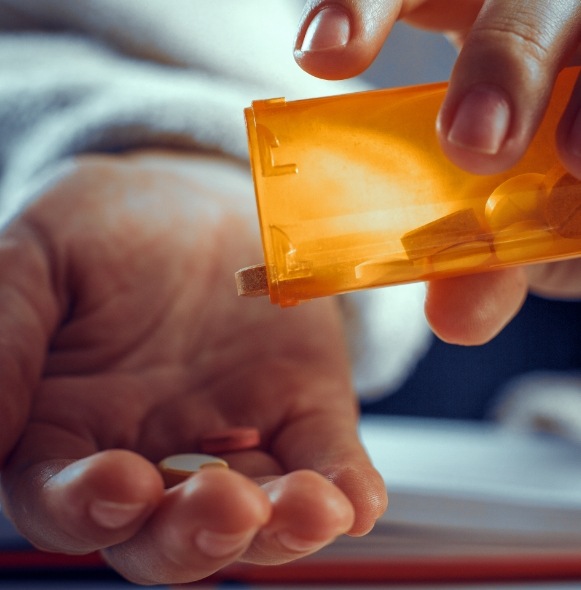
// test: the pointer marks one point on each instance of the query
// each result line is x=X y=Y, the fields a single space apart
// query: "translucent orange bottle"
x=354 y=192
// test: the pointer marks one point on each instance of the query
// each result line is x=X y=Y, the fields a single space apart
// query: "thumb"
x=340 y=39
x=27 y=317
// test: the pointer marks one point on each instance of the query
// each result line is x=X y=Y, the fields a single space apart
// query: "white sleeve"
x=388 y=334
x=65 y=95
x=111 y=75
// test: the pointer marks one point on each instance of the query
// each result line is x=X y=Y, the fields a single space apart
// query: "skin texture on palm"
x=125 y=342
x=510 y=54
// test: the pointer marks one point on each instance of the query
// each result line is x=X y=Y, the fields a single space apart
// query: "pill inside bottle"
x=354 y=192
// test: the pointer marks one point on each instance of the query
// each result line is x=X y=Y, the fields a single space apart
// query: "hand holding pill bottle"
x=354 y=192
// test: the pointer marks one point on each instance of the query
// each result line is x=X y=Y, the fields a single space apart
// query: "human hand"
x=511 y=52
x=124 y=341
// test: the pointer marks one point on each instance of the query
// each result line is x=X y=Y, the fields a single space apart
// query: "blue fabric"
x=463 y=382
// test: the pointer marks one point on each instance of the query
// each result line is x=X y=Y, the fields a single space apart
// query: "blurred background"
x=412 y=56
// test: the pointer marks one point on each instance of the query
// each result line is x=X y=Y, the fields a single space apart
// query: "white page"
x=477 y=476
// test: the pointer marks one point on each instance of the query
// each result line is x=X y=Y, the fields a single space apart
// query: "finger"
x=338 y=39
x=28 y=314
x=200 y=526
x=503 y=78
x=81 y=506
x=569 y=133
x=435 y=15
x=328 y=443
x=308 y=512
x=472 y=309
x=253 y=463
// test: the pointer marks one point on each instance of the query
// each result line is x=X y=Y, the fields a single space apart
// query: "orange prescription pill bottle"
x=354 y=192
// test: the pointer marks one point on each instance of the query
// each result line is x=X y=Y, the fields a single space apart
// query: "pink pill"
x=230 y=440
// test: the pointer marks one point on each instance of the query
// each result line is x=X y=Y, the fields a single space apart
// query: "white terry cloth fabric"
x=543 y=401
x=111 y=75
x=388 y=334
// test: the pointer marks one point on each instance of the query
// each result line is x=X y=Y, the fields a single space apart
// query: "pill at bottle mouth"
x=178 y=468
x=230 y=440
x=252 y=281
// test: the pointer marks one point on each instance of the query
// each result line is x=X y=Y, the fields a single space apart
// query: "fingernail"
x=329 y=28
x=298 y=544
x=481 y=122
x=219 y=545
x=574 y=139
x=114 y=515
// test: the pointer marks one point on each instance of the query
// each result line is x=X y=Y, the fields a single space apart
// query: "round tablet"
x=230 y=440
x=177 y=468
x=518 y=199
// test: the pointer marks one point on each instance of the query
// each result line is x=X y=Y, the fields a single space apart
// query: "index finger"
x=503 y=78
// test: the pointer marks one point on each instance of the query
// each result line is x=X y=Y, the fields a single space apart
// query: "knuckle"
x=525 y=40
x=536 y=33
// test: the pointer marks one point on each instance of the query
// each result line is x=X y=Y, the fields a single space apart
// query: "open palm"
x=124 y=342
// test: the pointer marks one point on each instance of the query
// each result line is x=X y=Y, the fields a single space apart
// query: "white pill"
x=177 y=468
